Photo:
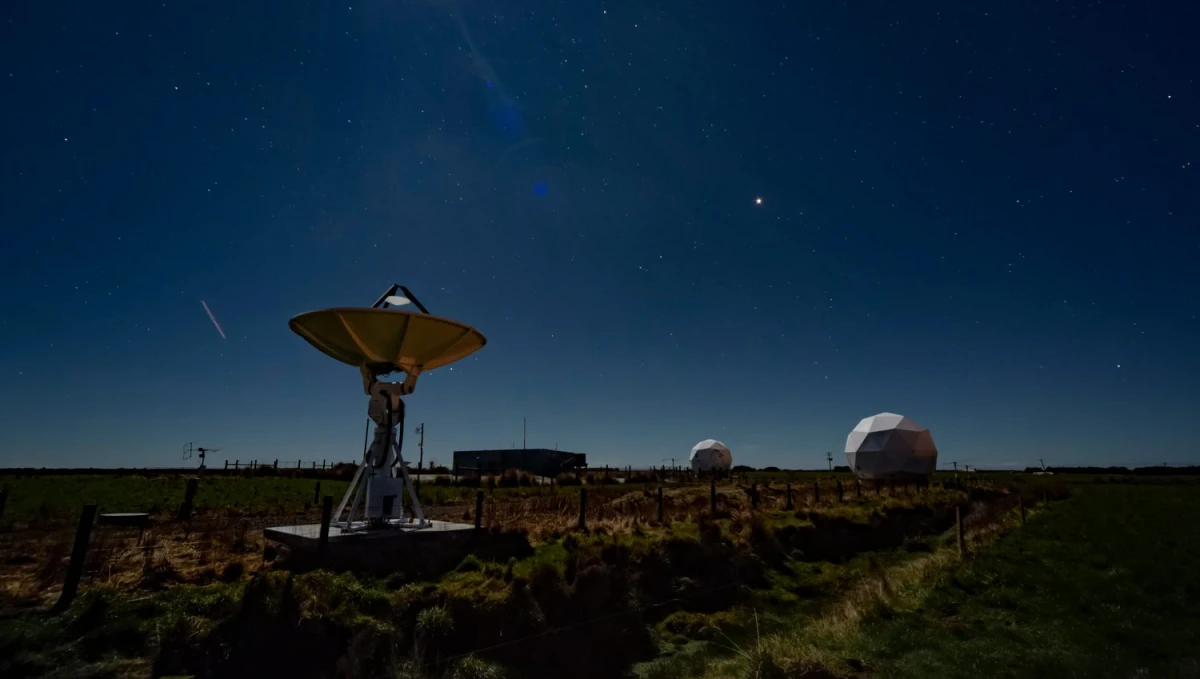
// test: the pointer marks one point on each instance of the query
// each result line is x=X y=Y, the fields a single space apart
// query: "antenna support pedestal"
x=377 y=492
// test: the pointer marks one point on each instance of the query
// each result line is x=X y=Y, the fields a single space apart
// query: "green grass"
x=42 y=497
x=62 y=496
x=106 y=633
x=1106 y=584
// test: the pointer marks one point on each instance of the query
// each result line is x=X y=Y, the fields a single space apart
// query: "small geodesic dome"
x=888 y=445
x=709 y=455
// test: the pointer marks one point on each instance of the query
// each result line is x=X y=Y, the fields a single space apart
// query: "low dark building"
x=539 y=461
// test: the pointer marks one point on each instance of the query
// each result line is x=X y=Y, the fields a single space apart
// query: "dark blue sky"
x=982 y=216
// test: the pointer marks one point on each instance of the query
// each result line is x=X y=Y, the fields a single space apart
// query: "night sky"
x=756 y=222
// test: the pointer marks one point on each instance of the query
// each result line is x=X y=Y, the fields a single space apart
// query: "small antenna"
x=190 y=448
x=203 y=452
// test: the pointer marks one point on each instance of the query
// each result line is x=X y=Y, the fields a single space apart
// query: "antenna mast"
x=189 y=448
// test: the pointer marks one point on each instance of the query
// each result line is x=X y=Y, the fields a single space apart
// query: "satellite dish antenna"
x=379 y=341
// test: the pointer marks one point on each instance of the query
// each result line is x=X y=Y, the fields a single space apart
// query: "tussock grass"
x=714 y=592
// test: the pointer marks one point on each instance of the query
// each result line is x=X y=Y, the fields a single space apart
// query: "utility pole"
x=421 y=447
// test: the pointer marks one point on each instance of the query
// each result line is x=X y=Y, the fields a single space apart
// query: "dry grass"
x=35 y=562
x=549 y=513
x=34 y=555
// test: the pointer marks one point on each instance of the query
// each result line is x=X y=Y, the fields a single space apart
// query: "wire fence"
x=149 y=552
x=312 y=465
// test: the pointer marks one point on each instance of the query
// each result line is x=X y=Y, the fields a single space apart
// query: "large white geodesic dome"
x=888 y=445
x=710 y=454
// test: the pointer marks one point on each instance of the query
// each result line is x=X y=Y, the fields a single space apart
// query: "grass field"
x=32 y=497
x=56 y=497
x=1102 y=581
x=1104 y=585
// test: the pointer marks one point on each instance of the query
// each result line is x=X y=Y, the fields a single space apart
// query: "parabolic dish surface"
x=385 y=338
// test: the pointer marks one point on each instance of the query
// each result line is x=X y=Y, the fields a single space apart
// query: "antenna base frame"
x=383 y=468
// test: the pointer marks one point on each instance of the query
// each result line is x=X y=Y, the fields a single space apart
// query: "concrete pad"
x=306 y=537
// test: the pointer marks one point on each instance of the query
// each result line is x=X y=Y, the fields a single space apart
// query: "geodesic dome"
x=888 y=445
x=709 y=455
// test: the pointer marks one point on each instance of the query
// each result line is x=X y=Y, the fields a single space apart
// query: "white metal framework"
x=382 y=477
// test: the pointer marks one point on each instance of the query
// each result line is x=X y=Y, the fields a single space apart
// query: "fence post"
x=326 y=518
x=753 y=496
x=958 y=528
x=297 y=464
x=789 y=498
x=316 y=492
x=839 y=489
x=660 y=505
x=226 y=465
x=276 y=463
x=816 y=492
x=583 y=509
x=712 y=495
x=3 y=500
x=1021 y=505
x=75 y=570
x=189 y=495
x=478 y=509
x=857 y=487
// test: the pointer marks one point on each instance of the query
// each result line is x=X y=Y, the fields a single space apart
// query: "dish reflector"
x=383 y=340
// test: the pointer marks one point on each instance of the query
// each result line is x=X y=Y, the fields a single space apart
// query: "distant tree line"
x=1160 y=470
x=740 y=468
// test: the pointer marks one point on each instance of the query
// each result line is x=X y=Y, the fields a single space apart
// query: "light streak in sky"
x=213 y=319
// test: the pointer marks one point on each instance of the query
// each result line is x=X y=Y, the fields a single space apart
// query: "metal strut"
x=382 y=464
